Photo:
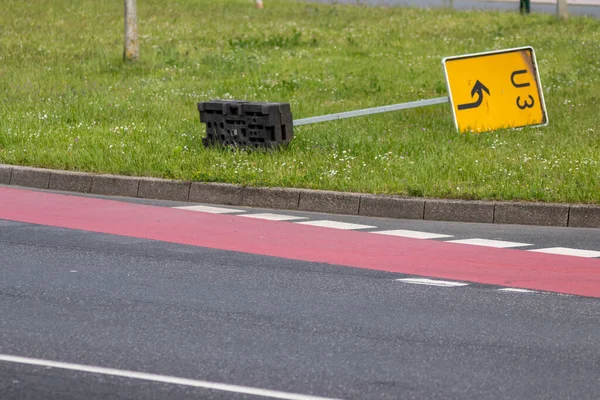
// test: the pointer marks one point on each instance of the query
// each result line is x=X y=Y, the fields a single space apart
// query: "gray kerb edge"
x=386 y=206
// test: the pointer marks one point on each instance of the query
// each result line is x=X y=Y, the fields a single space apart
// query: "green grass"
x=68 y=101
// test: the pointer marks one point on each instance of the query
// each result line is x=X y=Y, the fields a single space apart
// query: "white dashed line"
x=413 y=234
x=209 y=209
x=569 y=252
x=336 y=225
x=517 y=290
x=223 y=387
x=273 y=217
x=396 y=232
x=489 y=243
x=431 y=282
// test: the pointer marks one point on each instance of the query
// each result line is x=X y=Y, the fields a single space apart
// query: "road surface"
x=280 y=327
x=589 y=8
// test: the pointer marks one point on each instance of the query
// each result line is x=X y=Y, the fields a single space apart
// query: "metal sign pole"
x=369 y=111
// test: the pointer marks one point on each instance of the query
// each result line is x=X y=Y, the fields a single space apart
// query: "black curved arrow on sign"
x=478 y=89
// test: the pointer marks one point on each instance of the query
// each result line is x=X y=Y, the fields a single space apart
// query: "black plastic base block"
x=246 y=124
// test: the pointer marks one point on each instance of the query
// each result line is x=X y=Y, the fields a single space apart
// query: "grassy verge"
x=68 y=101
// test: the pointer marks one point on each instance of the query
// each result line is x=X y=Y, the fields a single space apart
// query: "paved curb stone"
x=532 y=214
x=391 y=207
x=276 y=198
x=5 y=173
x=329 y=202
x=114 y=185
x=543 y=214
x=30 y=177
x=70 y=181
x=584 y=216
x=216 y=193
x=153 y=188
x=459 y=210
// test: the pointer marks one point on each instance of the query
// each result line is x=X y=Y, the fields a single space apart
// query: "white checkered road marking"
x=273 y=217
x=210 y=209
x=395 y=232
x=517 y=290
x=489 y=243
x=569 y=252
x=432 y=282
x=413 y=234
x=336 y=225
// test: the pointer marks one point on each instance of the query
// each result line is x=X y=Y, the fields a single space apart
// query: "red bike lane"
x=503 y=267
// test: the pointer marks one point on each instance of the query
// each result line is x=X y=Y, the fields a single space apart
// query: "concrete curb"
x=459 y=210
x=329 y=202
x=532 y=214
x=216 y=193
x=71 y=181
x=543 y=214
x=276 y=198
x=152 y=188
x=391 y=207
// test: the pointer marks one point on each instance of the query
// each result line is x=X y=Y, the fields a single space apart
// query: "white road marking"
x=209 y=209
x=569 y=252
x=224 y=387
x=336 y=225
x=413 y=234
x=431 y=282
x=489 y=243
x=273 y=217
x=518 y=290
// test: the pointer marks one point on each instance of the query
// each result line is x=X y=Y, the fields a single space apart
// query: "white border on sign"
x=487 y=53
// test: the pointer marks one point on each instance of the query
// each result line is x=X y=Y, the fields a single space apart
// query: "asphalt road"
x=272 y=323
x=588 y=10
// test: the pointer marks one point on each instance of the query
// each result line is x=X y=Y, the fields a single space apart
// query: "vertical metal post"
x=131 y=49
x=525 y=6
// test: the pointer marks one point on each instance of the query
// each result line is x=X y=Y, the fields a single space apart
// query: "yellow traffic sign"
x=493 y=90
